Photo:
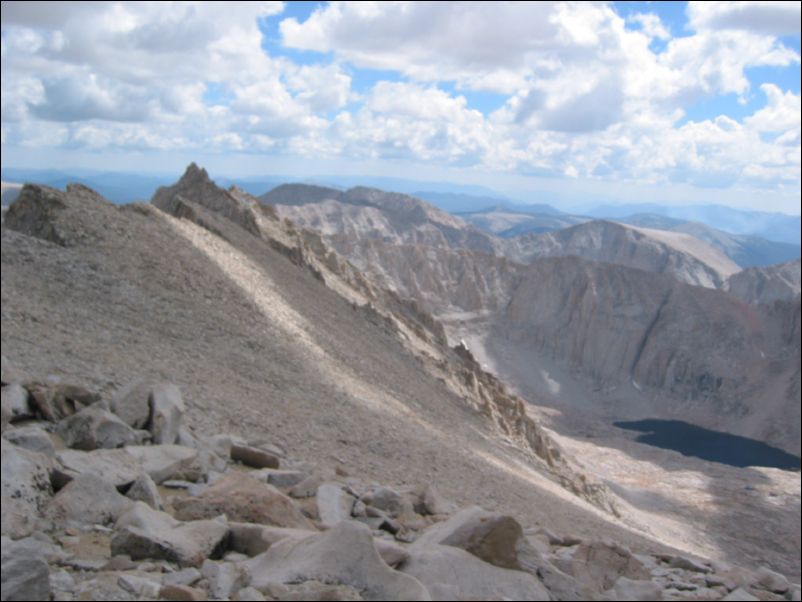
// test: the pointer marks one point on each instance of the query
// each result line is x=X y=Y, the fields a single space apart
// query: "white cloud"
x=587 y=94
x=651 y=25
x=781 y=113
x=466 y=42
x=759 y=16
x=322 y=88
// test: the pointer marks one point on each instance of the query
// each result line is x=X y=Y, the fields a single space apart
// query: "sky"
x=668 y=102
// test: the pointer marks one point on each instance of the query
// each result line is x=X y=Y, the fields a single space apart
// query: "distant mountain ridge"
x=684 y=257
x=771 y=226
x=744 y=250
x=571 y=296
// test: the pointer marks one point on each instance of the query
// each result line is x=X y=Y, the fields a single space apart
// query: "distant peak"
x=193 y=173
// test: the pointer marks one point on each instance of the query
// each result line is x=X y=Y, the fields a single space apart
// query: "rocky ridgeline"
x=216 y=209
x=118 y=500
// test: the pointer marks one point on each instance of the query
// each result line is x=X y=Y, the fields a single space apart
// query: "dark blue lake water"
x=692 y=440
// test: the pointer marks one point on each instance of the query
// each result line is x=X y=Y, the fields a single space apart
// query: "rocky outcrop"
x=195 y=187
x=236 y=537
x=146 y=533
x=781 y=282
x=679 y=255
x=95 y=428
x=243 y=498
x=87 y=500
x=41 y=212
x=489 y=536
x=343 y=555
x=25 y=488
x=450 y=573
x=25 y=572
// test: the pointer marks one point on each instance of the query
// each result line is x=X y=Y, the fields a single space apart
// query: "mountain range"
x=631 y=323
x=376 y=333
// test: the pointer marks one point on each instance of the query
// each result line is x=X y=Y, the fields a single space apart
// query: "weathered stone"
x=115 y=466
x=94 y=428
x=61 y=582
x=253 y=456
x=561 y=585
x=132 y=404
x=42 y=545
x=252 y=540
x=308 y=487
x=101 y=588
x=144 y=489
x=629 y=589
x=182 y=577
x=345 y=555
x=25 y=574
x=167 y=411
x=87 y=500
x=283 y=478
x=314 y=591
x=121 y=562
x=491 y=536
x=269 y=446
x=333 y=504
x=221 y=444
x=359 y=509
x=392 y=553
x=552 y=538
x=687 y=564
x=224 y=578
x=163 y=462
x=243 y=498
x=187 y=438
x=740 y=594
x=380 y=523
x=140 y=586
x=15 y=399
x=181 y=593
x=249 y=594
x=32 y=438
x=431 y=502
x=56 y=401
x=146 y=533
x=771 y=581
x=385 y=499
x=724 y=579
x=450 y=573
x=25 y=489
x=598 y=565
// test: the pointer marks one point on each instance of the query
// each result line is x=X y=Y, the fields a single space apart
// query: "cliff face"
x=621 y=306
x=767 y=284
x=680 y=255
x=367 y=213
x=699 y=349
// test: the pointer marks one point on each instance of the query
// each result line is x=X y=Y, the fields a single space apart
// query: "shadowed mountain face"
x=768 y=284
x=728 y=365
x=618 y=306
x=685 y=258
